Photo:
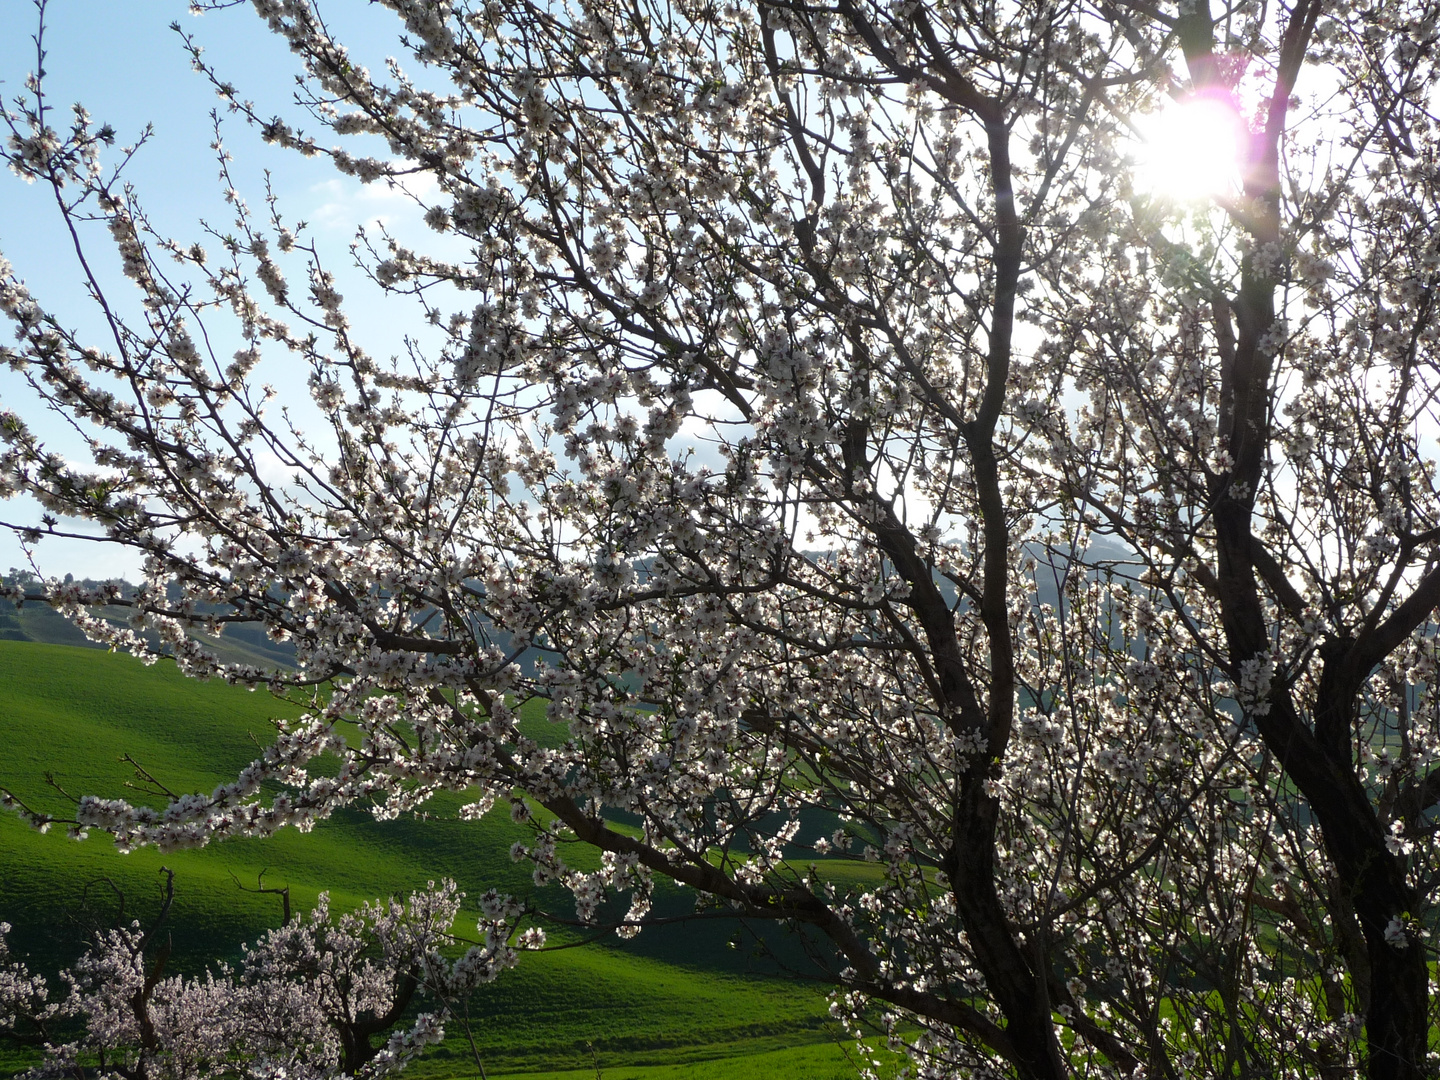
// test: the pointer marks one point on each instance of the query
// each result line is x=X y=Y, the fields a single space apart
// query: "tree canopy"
x=812 y=404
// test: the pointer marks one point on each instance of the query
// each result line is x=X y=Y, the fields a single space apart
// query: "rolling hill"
x=676 y=1004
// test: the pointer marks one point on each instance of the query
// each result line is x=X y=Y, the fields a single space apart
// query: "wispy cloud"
x=344 y=203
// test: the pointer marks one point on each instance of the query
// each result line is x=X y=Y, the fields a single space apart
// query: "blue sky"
x=121 y=60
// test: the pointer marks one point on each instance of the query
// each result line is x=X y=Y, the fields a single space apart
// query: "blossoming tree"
x=312 y=996
x=819 y=417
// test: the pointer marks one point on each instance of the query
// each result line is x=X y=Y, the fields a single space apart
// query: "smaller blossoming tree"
x=309 y=1001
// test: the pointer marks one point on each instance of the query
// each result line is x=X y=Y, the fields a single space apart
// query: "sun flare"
x=1191 y=149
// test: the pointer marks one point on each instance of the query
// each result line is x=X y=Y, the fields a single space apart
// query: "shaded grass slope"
x=241 y=643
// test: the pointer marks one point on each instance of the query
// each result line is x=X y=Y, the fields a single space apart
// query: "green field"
x=633 y=1011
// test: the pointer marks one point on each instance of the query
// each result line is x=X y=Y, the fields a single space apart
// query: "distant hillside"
x=241 y=643
x=248 y=643
x=39 y=623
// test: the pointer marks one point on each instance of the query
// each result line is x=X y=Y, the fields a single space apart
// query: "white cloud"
x=345 y=203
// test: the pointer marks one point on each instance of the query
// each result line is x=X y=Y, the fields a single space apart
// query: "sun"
x=1191 y=149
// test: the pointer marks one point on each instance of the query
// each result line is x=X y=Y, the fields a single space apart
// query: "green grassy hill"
x=637 y=1011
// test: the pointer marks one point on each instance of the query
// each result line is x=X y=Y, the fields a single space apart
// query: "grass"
x=822 y=1061
x=676 y=1004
